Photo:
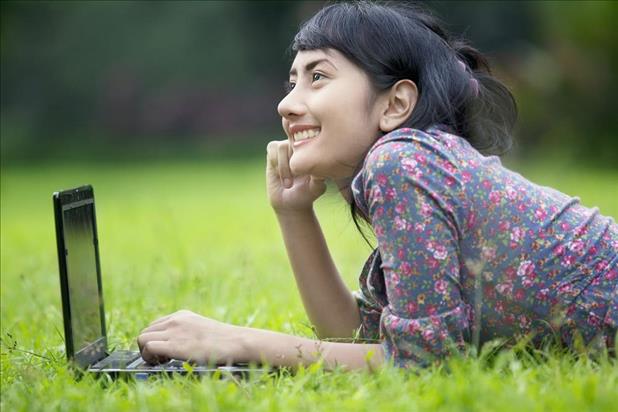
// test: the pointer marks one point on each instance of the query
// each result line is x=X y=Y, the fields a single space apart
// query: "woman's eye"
x=317 y=76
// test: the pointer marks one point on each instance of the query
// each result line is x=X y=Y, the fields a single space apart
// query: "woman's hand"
x=288 y=193
x=188 y=336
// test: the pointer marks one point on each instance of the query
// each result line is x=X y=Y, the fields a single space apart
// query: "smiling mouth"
x=306 y=134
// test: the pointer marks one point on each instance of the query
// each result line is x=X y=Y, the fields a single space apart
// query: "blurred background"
x=138 y=80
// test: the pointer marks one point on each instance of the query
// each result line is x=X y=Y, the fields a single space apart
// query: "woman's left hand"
x=188 y=336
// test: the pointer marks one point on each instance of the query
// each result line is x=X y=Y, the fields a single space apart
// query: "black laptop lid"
x=80 y=277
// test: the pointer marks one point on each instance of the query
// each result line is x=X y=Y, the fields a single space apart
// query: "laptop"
x=82 y=299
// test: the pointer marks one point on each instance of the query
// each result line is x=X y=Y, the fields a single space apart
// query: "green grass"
x=202 y=237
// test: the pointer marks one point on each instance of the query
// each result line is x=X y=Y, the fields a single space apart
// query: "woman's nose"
x=291 y=105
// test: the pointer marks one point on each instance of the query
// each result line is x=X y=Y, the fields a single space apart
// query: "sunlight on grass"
x=203 y=237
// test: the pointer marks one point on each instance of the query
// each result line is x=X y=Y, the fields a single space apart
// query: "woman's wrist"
x=282 y=350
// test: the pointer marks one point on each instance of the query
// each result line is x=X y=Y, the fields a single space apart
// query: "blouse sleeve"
x=370 y=297
x=411 y=192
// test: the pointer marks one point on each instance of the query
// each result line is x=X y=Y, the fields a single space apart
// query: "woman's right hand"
x=288 y=193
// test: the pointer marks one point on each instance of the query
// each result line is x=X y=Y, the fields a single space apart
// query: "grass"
x=202 y=237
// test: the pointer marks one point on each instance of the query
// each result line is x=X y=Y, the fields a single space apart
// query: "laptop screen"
x=81 y=261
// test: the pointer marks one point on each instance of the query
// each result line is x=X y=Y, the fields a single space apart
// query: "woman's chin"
x=299 y=167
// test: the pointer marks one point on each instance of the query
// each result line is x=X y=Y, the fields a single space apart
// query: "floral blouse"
x=469 y=251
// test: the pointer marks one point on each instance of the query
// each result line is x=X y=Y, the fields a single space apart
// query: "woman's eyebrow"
x=309 y=66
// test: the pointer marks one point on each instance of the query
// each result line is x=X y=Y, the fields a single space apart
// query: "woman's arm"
x=188 y=336
x=329 y=304
x=279 y=349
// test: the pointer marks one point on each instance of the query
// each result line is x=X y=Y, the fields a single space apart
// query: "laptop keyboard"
x=117 y=360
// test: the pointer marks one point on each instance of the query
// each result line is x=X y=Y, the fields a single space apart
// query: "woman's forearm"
x=278 y=349
x=329 y=304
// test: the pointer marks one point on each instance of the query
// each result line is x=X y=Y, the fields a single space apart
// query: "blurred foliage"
x=130 y=78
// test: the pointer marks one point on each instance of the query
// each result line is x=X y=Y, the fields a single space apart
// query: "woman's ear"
x=400 y=102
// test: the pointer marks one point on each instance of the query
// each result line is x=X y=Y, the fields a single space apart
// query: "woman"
x=384 y=103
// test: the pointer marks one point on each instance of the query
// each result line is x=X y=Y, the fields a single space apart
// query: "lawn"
x=202 y=236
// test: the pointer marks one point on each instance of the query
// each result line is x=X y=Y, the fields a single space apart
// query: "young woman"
x=404 y=119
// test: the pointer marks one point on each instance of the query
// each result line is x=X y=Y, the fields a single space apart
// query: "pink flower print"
x=495 y=196
x=558 y=250
x=440 y=286
x=419 y=227
x=499 y=306
x=504 y=225
x=540 y=214
x=414 y=326
x=391 y=193
x=565 y=226
x=408 y=164
x=577 y=246
x=511 y=193
x=400 y=208
x=581 y=231
x=406 y=269
x=525 y=268
x=430 y=246
x=486 y=184
x=426 y=210
x=524 y=322
x=382 y=179
x=504 y=288
x=510 y=273
x=411 y=308
x=440 y=252
x=601 y=266
x=449 y=181
x=376 y=195
x=522 y=207
x=520 y=294
x=400 y=224
x=379 y=229
x=420 y=158
x=431 y=311
x=443 y=334
x=428 y=334
x=567 y=260
x=466 y=177
x=527 y=282
x=593 y=319
x=612 y=274
x=433 y=263
x=542 y=294
x=517 y=234
x=471 y=220
x=566 y=288
x=488 y=253
x=449 y=167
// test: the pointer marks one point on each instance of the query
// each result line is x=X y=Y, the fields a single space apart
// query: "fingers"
x=283 y=164
x=317 y=186
x=271 y=150
x=279 y=153
x=157 y=351
x=146 y=337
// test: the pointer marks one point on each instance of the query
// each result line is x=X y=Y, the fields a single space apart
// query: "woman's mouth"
x=305 y=136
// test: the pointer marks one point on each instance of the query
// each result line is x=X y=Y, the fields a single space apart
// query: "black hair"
x=395 y=41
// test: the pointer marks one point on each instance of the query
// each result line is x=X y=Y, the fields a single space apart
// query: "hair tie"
x=474 y=84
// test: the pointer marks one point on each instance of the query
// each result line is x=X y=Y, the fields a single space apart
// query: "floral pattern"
x=469 y=251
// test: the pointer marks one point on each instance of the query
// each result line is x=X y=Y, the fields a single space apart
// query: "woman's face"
x=329 y=115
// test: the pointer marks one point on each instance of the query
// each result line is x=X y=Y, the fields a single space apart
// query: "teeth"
x=306 y=134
